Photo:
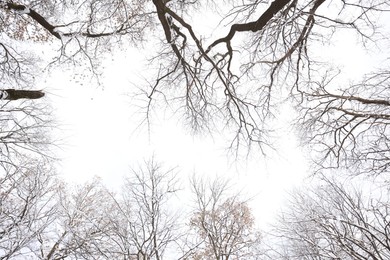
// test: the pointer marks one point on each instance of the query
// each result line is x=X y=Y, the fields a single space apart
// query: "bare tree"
x=27 y=207
x=335 y=221
x=349 y=126
x=24 y=131
x=24 y=123
x=145 y=224
x=223 y=224
x=82 y=228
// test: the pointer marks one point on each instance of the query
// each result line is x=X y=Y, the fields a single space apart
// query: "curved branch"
x=255 y=26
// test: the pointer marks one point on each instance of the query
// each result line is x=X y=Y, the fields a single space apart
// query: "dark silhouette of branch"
x=52 y=28
x=255 y=26
x=37 y=17
x=14 y=94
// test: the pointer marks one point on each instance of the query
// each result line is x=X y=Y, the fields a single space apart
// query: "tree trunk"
x=14 y=94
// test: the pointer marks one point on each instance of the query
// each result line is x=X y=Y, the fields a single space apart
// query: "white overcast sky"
x=99 y=136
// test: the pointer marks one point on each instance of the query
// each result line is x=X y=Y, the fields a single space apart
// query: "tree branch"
x=35 y=16
x=14 y=94
x=255 y=26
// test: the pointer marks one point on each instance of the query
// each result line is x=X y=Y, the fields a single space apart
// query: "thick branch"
x=255 y=26
x=361 y=100
x=34 y=15
x=14 y=94
x=52 y=28
x=161 y=10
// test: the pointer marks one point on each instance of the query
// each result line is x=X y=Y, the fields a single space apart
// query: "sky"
x=100 y=134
